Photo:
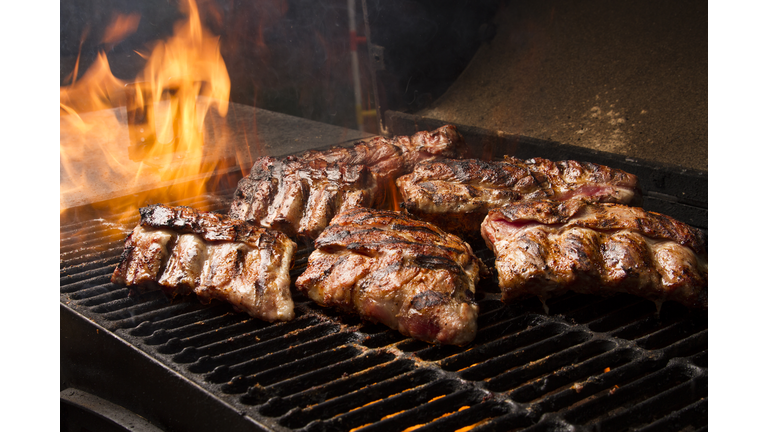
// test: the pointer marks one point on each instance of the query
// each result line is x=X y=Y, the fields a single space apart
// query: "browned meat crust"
x=181 y=251
x=404 y=273
x=300 y=198
x=545 y=248
x=457 y=194
x=300 y=194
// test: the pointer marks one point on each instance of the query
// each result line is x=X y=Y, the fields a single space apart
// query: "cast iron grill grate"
x=589 y=364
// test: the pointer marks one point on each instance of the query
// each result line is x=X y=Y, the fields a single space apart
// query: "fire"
x=125 y=138
x=190 y=70
x=96 y=90
x=122 y=26
x=394 y=197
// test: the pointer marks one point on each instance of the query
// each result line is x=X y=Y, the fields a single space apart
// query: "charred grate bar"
x=590 y=364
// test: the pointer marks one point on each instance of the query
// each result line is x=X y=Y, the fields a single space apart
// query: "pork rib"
x=457 y=194
x=544 y=248
x=300 y=194
x=182 y=251
x=404 y=273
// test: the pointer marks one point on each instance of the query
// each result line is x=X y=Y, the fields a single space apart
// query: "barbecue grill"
x=586 y=364
x=590 y=363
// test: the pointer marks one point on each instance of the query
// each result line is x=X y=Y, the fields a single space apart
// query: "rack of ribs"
x=457 y=194
x=404 y=273
x=181 y=251
x=544 y=248
x=300 y=194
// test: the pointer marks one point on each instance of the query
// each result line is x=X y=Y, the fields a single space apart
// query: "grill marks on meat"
x=300 y=198
x=404 y=273
x=183 y=251
x=457 y=194
x=300 y=194
x=545 y=248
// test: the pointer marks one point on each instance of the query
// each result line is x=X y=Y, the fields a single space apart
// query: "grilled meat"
x=300 y=194
x=300 y=198
x=545 y=248
x=404 y=273
x=182 y=251
x=457 y=194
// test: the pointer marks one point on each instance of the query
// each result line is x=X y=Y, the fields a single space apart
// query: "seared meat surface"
x=181 y=251
x=300 y=194
x=457 y=194
x=544 y=248
x=404 y=273
x=299 y=197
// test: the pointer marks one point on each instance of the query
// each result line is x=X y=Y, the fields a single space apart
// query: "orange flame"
x=393 y=196
x=160 y=139
x=121 y=27
x=97 y=89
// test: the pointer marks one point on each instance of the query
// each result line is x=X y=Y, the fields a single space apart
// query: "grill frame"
x=111 y=341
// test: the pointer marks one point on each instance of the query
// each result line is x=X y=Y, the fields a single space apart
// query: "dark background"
x=288 y=56
x=628 y=78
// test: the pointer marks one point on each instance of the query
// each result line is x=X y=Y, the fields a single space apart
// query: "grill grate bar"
x=526 y=354
x=568 y=365
x=591 y=362
x=132 y=317
x=505 y=325
x=231 y=336
x=86 y=293
x=263 y=357
x=700 y=359
x=574 y=390
x=565 y=386
x=509 y=417
x=128 y=310
x=72 y=232
x=380 y=337
x=360 y=397
x=203 y=330
x=494 y=338
x=492 y=358
x=691 y=345
x=110 y=257
x=379 y=409
x=693 y=415
x=324 y=376
x=470 y=418
x=243 y=358
x=100 y=244
x=615 y=399
x=163 y=324
x=99 y=233
x=623 y=316
x=652 y=323
x=100 y=296
x=670 y=334
x=658 y=406
x=88 y=281
x=293 y=369
x=428 y=412
x=87 y=257
x=324 y=398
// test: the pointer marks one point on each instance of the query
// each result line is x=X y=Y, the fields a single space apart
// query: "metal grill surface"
x=590 y=363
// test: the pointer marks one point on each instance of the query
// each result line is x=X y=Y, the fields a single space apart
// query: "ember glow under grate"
x=590 y=364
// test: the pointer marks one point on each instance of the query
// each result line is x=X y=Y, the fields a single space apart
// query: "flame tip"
x=186 y=60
